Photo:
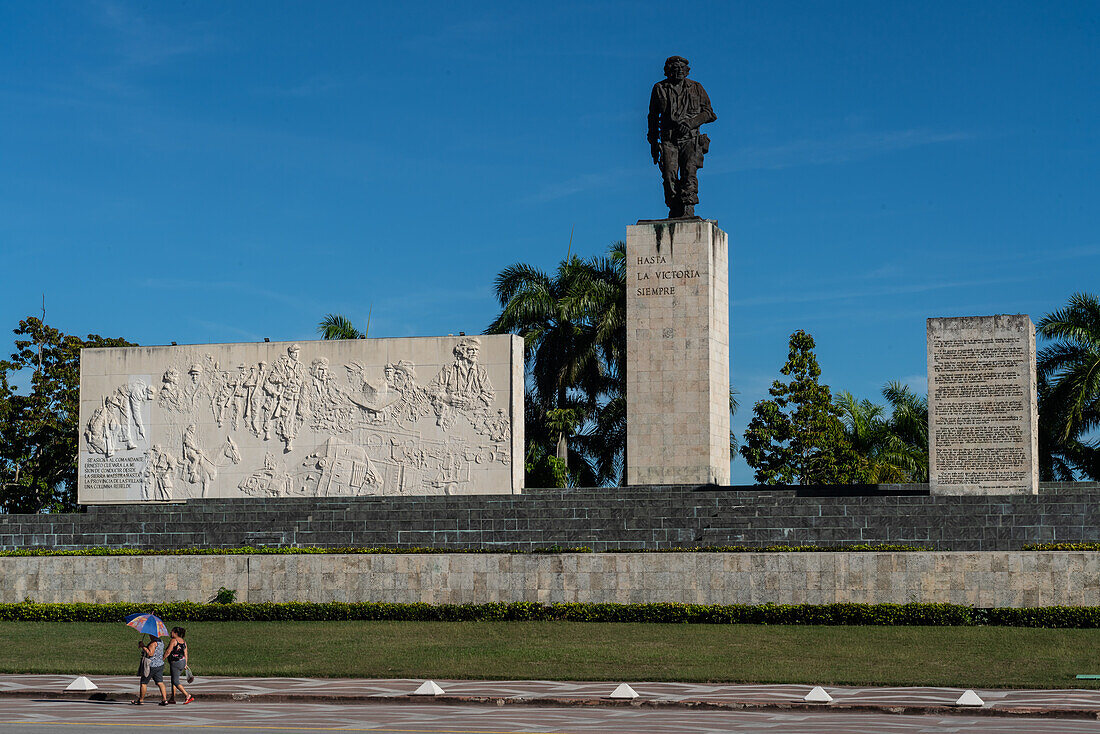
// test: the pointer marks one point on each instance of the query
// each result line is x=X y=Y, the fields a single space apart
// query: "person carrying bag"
x=176 y=654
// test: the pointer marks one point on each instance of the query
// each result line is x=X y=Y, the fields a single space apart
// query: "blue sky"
x=210 y=171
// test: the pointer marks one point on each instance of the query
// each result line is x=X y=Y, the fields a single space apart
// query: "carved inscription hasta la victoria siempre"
x=653 y=278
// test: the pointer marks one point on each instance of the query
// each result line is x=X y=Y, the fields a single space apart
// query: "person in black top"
x=176 y=655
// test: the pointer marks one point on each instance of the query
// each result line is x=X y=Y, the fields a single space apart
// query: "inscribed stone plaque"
x=982 y=416
x=437 y=415
x=677 y=346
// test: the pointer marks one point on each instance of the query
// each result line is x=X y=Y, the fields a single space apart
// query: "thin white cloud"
x=230 y=286
x=142 y=42
x=822 y=151
x=796 y=153
x=578 y=184
x=875 y=292
x=314 y=86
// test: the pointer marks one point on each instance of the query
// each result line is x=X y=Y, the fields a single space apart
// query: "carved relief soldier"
x=240 y=396
x=98 y=433
x=130 y=399
x=169 y=395
x=197 y=466
x=677 y=107
x=158 y=474
x=318 y=399
x=223 y=396
x=414 y=403
x=261 y=401
x=462 y=386
x=195 y=387
x=286 y=380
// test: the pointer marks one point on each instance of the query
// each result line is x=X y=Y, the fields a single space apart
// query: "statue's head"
x=676 y=68
x=468 y=349
x=293 y=351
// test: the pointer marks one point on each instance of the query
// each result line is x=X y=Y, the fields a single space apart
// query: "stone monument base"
x=677 y=377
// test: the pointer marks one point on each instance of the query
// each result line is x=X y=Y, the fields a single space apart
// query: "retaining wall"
x=601 y=519
x=975 y=578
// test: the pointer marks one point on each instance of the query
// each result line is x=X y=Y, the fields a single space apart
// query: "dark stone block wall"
x=601 y=519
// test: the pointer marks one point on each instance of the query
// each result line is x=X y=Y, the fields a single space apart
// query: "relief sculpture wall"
x=434 y=415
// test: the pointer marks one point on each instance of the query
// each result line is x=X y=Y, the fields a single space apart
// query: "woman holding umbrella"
x=151 y=667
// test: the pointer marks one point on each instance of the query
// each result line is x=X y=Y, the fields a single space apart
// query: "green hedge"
x=951 y=615
x=1062 y=547
x=307 y=550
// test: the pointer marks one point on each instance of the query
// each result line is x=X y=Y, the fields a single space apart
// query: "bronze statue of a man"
x=677 y=107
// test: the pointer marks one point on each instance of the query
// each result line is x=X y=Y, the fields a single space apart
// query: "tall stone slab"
x=358 y=417
x=677 y=374
x=982 y=414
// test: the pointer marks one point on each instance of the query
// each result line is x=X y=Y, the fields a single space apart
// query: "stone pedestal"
x=677 y=378
x=982 y=415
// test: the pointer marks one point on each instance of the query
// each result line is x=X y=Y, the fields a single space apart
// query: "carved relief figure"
x=158 y=474
x=260 y=400
x=98 y=432
x=197 y=466
x=284 y=384
x=499 y=427
x=414 y=403
x=371 y=396
x=320 y=396
x=119 y=420
x=132 y=397
x=226 y=385
x=170 y=397
x=462 y=386
x=677 y=107
x=199 y=387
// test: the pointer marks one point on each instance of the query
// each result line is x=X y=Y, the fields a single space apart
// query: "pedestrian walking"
x=151 y=669
x=178 y=663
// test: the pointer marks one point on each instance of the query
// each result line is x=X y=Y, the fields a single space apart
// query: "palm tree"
x=1069 y=390
x=893 y=449
x=597 y=292
x=338 y=326
x=561 y=353
x=734 y=405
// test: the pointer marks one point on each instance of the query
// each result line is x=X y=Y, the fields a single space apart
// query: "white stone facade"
x=677 y=312
x=435 y=415
x=982 y=414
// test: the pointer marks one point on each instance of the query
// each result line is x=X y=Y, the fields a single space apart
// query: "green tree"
x=566 y=362
x=892 y=448
x=39 y=431
x=734 y=405
x=598 y=293
x=543 y=469
x=1069 y=390
x=338 y=326
x=796 y=437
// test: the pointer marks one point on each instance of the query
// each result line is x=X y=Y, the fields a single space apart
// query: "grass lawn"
x=972 y=657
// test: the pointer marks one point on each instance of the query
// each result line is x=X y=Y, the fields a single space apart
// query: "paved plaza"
x=655 y=699
x=36 y=716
